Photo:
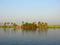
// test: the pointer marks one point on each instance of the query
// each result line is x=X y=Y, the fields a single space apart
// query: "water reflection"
x=42 y=30
x=26 y=30
x=9 y=29
x=4 y=29
x=29 y=36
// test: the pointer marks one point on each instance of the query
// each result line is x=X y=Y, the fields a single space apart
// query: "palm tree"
x=27 y=25
x=14 y=24
x=39 y=23
x=5 y=25
x=8 y=23
x=42 y=25
x=46 y=25
x=22 y=22
x=11 y=22
x=34 y=25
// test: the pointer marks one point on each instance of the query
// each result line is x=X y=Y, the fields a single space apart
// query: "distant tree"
x=8 y=23
x=11 y=22
x=5 y=24
x=34 y=25
x=26 y=23
x=22 y=22
x=46 y=23
x=14 y=24
x=42 y=23
x=39 y=23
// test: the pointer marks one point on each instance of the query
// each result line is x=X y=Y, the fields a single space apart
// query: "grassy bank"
x=50 y=26
x=54 y=26
x=7 y=26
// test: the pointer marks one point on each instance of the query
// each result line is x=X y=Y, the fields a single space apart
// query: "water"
x=29 y=37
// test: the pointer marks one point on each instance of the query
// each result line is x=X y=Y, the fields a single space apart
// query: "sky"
x=30 y=11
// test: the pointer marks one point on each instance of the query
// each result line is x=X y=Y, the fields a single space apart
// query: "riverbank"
x=49 y=26
x=54 y=26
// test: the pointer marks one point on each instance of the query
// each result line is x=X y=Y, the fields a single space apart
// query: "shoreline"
x=49 y=26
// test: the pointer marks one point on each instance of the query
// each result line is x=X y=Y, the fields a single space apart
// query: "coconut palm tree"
x=4 y=24
x=39 y=23
x=8 y=23
x=14 y=24
x=11 y=22
x=34 y=25
x=22 y=22
x=46 y=25
x=42 y=24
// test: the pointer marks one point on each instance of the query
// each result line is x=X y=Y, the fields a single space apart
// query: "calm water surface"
x=29 y=37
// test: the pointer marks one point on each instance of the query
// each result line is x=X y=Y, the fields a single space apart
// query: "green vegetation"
x=54 y=26
x=8 y=25
x=26 y=25
x=29 y=25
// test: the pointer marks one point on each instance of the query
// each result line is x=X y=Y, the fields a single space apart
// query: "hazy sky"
x=30 y=10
